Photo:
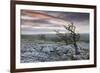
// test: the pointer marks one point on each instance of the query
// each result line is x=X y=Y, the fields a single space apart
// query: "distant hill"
x=53 y=37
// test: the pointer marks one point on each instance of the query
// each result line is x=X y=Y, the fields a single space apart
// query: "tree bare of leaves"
x=70 y=38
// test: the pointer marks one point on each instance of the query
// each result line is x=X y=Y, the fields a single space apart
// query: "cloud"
x=38 y=19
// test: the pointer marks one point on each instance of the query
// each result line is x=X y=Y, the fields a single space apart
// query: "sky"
x=47 y=22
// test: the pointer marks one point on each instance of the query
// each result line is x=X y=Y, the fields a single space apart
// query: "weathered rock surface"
x=42 y=52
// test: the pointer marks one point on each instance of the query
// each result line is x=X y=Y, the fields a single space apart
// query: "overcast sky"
x=48 y=21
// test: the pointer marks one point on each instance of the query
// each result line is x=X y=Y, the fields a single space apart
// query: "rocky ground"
x=45 y=52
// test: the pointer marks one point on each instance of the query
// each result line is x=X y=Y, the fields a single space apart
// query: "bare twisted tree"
x=70 y=38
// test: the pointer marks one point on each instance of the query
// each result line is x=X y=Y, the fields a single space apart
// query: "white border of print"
x=53 y=64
